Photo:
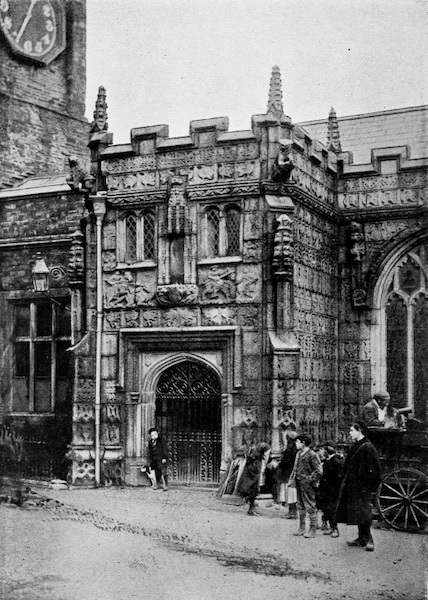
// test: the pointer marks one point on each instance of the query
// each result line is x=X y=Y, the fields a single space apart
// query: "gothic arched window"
x=213 y=231
x=233 y=231
x=403 y=332
x=131 y=239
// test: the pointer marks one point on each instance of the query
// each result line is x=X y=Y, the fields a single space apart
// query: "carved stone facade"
x=249 y=276
x=262 y=271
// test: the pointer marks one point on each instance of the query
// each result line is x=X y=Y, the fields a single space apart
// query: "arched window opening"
x=402 y=336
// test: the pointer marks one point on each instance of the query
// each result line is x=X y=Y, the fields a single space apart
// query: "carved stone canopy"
x=178 y=216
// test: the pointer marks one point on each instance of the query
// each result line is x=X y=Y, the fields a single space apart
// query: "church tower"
x=42 y=87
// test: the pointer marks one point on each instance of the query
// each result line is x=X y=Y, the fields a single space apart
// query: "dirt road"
x=114 y=544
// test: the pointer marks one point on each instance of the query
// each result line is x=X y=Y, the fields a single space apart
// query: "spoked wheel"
x=402 y=499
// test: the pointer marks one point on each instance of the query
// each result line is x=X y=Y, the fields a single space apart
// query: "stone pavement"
x=195 y=522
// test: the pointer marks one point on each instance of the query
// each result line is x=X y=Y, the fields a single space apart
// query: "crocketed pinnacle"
x=100 y=113
x=275 y=94
x=333 y=135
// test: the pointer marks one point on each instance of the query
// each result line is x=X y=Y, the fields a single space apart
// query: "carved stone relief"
x=131 y=318
x=249 y=316
x=110 y=390
x=252 y=225
x=217 y=285
x=119 y=290
x=179 y=317
x=150 y=318
x=109 y=261
x=85 y=390
x=248 y=284
x=219 y=316
x=112 y=320
x=176 y=294
x=252 y=251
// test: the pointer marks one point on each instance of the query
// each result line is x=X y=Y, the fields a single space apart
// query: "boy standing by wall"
x=306 y=473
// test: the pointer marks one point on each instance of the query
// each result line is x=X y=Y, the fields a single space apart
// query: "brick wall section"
x=42 y=108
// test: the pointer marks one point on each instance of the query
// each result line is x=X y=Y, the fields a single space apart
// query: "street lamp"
x=40 y=274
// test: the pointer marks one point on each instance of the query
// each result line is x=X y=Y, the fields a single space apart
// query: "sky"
x=174 y=61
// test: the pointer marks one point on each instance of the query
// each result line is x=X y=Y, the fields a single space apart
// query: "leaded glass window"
x=130 y=239
x=405 y=307
x=213 y=232
x=149 y=236
x=222 y=231
x=233 y=230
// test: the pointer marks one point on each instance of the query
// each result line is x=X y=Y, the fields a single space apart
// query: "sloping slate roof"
x=360 y=134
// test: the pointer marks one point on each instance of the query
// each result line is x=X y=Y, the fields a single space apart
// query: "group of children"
x=306 y=480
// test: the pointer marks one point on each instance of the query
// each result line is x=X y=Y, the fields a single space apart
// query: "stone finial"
x=333 y=135
x=275 y=94
x=100 y=113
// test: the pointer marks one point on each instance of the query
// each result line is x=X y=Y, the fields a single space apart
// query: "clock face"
x=34 y=29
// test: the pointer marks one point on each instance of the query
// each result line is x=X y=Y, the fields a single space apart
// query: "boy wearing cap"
x=306 y=473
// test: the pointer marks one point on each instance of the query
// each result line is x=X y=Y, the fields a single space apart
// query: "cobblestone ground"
x=115 y=544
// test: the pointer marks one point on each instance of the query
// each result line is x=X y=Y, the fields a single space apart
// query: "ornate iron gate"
x=188 y=414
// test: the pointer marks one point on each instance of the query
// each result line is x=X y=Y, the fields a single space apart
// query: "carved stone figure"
x=119 y=290
x=283 y=250
x=177 y=206
x=284 y=163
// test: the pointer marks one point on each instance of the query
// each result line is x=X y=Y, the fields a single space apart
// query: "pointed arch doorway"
x=188 y=414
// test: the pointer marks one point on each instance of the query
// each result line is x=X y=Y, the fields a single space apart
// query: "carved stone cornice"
x=244 y=188
x=301 y=195
x=137 y=198
x=384 y=213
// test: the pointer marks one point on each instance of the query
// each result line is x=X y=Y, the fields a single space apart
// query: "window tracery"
x=221 y=231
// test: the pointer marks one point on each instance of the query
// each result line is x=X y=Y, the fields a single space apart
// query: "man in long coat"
x=361 y=477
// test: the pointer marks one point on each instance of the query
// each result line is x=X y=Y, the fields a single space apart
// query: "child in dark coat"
x=253 y=475
x=328 y=491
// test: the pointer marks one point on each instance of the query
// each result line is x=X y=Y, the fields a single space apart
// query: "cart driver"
x=379 y=413
x=374 y=412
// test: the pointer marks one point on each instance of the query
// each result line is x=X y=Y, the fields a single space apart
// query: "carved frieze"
x=150 y=318
x=380 y=198
x=130 y=164
x=112 y=320
x=217 y=285
x=224 y=315
x=226 y=171
x=119 y=290
x=384 y=230
x=131 y=318
x=177 y=294
x=248 y=284
x=179 y=317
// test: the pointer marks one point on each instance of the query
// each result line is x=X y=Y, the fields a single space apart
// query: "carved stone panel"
x=176 y=294
x=217 y=285
x=248 y=284
x=219 y=315
x=119 y=290
x=179 y=317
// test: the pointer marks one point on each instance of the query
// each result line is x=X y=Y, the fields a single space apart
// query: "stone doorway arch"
x=188 y=413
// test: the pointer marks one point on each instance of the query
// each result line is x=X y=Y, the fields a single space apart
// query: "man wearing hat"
x=374 y=412
x=361 y=477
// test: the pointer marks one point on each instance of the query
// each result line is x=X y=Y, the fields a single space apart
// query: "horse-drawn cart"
x=402 y=496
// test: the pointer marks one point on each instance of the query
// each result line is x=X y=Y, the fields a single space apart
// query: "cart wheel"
x=402 y=499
